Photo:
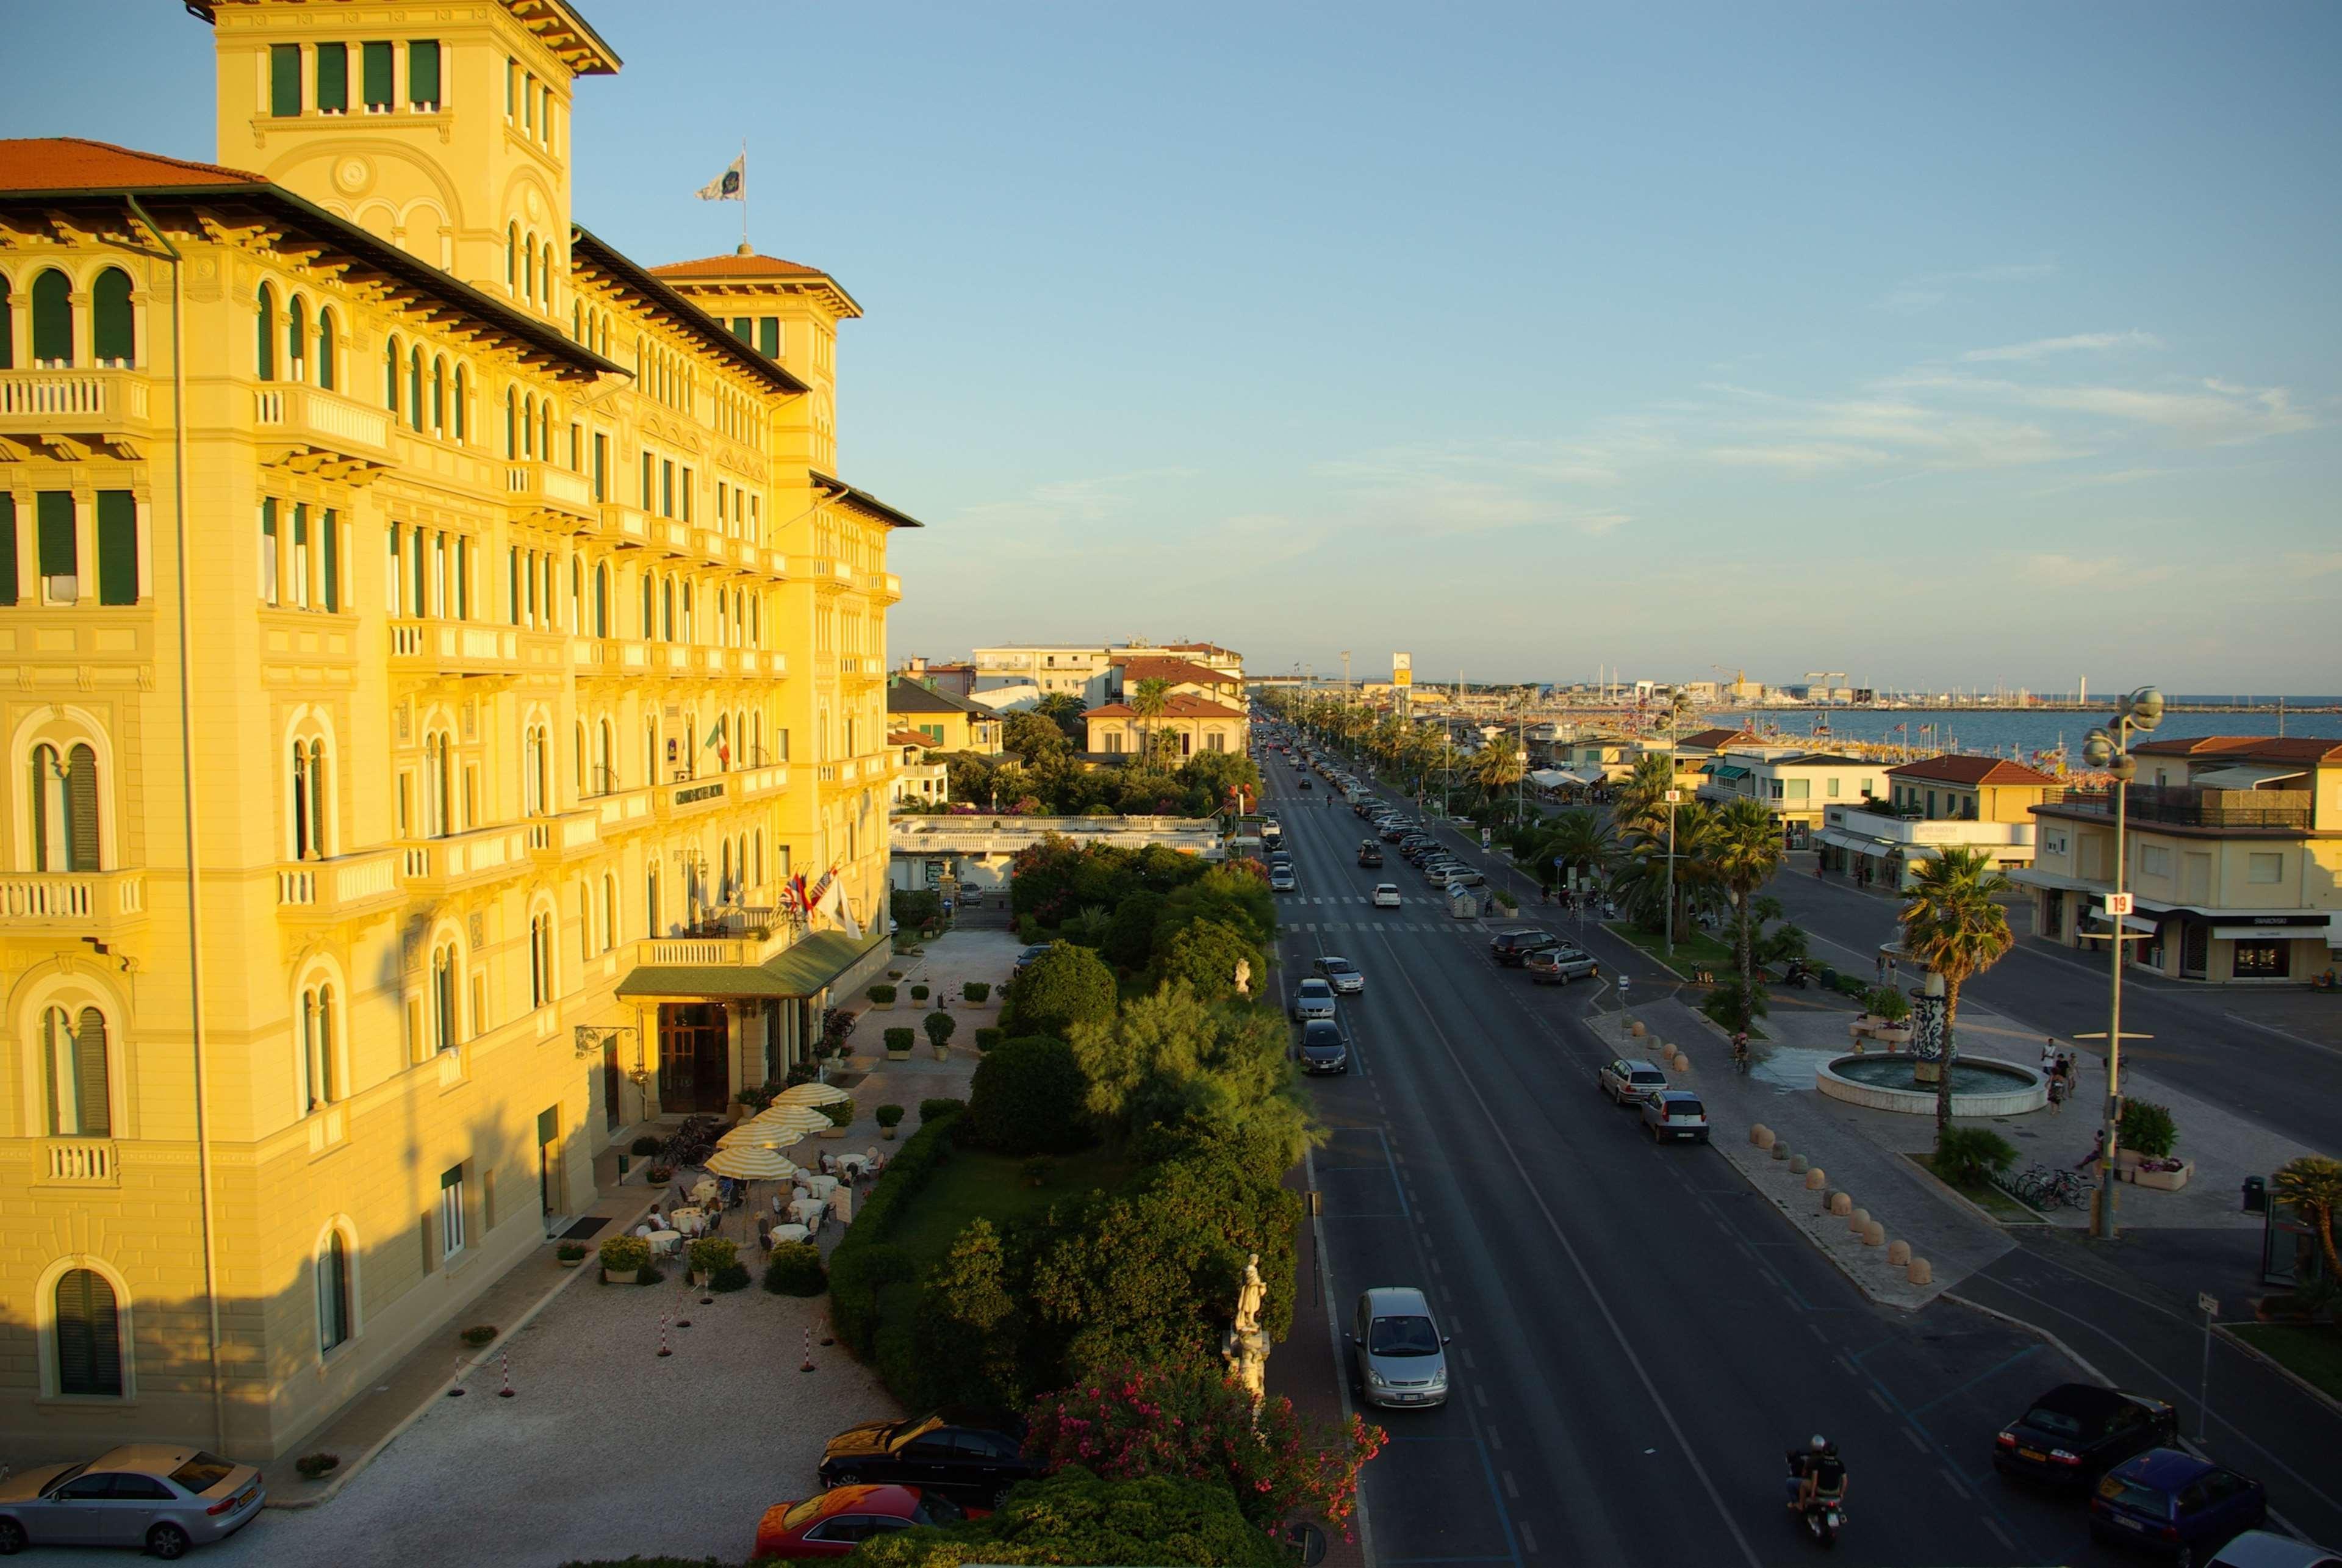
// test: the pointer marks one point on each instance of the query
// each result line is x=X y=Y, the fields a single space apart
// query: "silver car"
x=160 y=1497
x=1344 y=976
x=1399 y=1356
x=1312 y=998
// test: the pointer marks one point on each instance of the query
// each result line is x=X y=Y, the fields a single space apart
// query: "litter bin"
x=2256 y=1195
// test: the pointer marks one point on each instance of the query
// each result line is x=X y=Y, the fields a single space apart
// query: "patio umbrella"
x=746 y=1162
x=811 y=1094
x=748 y=1135
x=794 y=1121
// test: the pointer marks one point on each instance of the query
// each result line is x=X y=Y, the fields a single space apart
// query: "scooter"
x=1823 y=1518
x=1797 y=974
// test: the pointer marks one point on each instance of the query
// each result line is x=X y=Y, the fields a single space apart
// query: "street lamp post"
x=2141 y=710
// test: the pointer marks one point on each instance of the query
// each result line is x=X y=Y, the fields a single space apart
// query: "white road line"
x=1916 y=1441
x=1495 y=1441
x=1528 y=1541
x=1512 y=1487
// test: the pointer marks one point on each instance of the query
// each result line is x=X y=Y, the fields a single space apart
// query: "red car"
x=834 y=1522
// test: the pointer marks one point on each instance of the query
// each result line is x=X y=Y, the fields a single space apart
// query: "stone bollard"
x=1898 y=1253
x=1918 y=1273
x=1841 y=1204
x=1815 y=1178
x=1683 y=1062
x=1636 y=1030
x=1780 y=1149
x=1857 y=1219
x=1874 y=1234
x=1761 y=1135
x=1797 y=1164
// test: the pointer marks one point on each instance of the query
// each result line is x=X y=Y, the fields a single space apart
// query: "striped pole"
x=507 y=1390
x=662 y=1349
x=809 y=1351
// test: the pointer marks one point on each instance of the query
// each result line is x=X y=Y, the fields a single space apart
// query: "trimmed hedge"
x=862 y=1264
x=1028 y=1098
x=989 y=1036
x=883 y=995
x=976 y=990
x=795 y=1270
x=940 y=1106
x=901 y=1039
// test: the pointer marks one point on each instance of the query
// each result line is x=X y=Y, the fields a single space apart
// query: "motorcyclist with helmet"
x=1817 y=1474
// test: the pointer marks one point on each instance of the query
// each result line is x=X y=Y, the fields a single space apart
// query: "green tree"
x=1130 y=933
x=1205 y=955
x=1150 y=699
x=1030 y=1096
x=1067 y=985
x=1034 y=739
x=1174 y=1060
x=1230 y=894
x=1640 y=808
x=1064 y=709
x=969 y=1331
x=1580 y=840
x=2311 y=1185
x=1741 y=855
x=1499 y=766
x=1953 y=927
x=1074 y=1516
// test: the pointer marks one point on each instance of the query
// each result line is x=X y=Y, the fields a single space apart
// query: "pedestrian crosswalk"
x=1458 y=928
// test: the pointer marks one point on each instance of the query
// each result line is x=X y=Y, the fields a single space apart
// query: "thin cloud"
x=1931 y=289
x=2041 y=346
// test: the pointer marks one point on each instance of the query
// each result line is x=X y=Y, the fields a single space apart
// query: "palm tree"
x=1580 y=840
x=1953 y=926
x=1741 y=855
x=1642 y=803
x=2312 y=1186
x=1498 y=767
x=1151 y=701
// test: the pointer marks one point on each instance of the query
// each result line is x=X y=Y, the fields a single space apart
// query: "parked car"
x=1343 y=975
x=833 y=1524
x=1512 y=946
x=1398 y=1356
x=160 y=1497
x=2076 y=1432
x=1386 y=896
x=1281 y=879
x=1560 y=964
x=1323 y=1047
x=1457 y=871
x=962 y=1451
x=1627 y=1080
x=1675 y=1115
x=1028 y=958
x=2174 y=1504
x=1313 y=998
x=2267 y=1549
x=1370 y=853
x=1391 y=832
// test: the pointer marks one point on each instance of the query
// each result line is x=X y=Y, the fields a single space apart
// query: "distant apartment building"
x=1932 y=804
x=1089 y=670
x=2232 y=849
x=1195 y=723
x=918 y=780
x=1797 y=790
x=944 y=722
x=957 y=677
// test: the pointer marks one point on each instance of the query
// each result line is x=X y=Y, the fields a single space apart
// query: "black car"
x=1370 y=853
x=1512 y=948
x=1307 y=782
x=2077 y=1431
x=1027 y=958
x=958 y=1451
x=1323 y=1049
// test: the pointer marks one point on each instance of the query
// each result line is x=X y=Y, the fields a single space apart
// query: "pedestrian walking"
x=2058 y=1091
x=2049 y=1055
x=2097 y=1151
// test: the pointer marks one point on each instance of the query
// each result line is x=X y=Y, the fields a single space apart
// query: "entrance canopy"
x=804 y=970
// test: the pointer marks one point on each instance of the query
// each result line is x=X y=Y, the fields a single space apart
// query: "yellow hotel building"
x=432 y=642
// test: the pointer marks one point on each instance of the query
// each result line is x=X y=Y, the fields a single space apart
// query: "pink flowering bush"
x=1193 y=1421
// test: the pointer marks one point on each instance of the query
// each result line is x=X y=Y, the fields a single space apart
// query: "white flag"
x=841 y=912
x=732 y=184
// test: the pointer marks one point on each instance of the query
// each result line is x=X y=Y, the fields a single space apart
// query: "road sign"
x=1624 y=981
x=2207 y=1305
x=1558 y=861
x=2119 y=903
x=1673 y=796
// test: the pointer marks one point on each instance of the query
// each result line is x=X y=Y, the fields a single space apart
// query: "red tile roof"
x=1955 y=769
x=1716 y=739
x=2246 y=747
x=1181 y=705
x=1203 y=648
x=75 y=164
x=908 y=738
x=1151 y=667
x=721 y=267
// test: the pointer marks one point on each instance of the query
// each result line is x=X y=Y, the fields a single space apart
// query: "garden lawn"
x=2311 y=1352
x=1988 y=1198
x=1696 y=952
x=974 y=1185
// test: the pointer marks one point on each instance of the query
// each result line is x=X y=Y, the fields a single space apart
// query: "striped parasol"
x=812 y=1094
x=746 y=1162
x=789 y=1121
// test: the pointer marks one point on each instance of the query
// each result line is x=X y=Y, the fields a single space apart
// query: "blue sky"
x=1953 y=344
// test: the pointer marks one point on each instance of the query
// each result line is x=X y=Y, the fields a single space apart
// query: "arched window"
x=528 y=269
x=512 y=256
x=647 y=621
x=296 y=337
x=533 y=774
x=667 y=609
x=88 y=1332
x=548 y=273
x=320 y=1072
x=64 y=810
x=53 y=320
x=415 y=386
x=512 y=422
x=439 y=394
x=310 y=794
x=609 y=911
x=113 y=333
x=601 y=600
x=81 y=1099
x=333 y=1292
x=263 y=341
x=540 y=960
x=544 y=430
x=443 y=998
x=527 y=426
x=438 y=785
x=325 y=348
x=604 y=781
x=390 y=376
x=463 y=401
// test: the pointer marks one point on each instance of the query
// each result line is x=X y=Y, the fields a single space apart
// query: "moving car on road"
x=1399 y=1355
x=1560 y=964
x=1281 y=879
x=1675 y=1115
x=1323 y=1048
x=2174 y=1504
x=1513 y=945
x=1344 y=976
x=2076 y=1432
x=1313 y=998
x=1370 y=853
x=958 y=1451
x=1625 y=1079
x=834 y=1524
x=160 y=1497
x=2267 y=1549
x=1386 y=894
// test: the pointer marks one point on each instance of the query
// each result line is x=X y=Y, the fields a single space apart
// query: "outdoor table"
x=807 y=1210
x=790 y=1233
x=689 y=1221
x=817 y=1186
x=707 y=1191
x=854 y=1164
x=664 y=1241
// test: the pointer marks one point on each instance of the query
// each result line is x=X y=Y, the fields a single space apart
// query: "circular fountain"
x=1981 y=1086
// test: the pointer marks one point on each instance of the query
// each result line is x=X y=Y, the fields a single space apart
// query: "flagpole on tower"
x=744 y=196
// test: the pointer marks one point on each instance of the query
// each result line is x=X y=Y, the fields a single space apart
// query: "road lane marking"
x=1495 y=1440
x=1512 y=1489
x=1527 y=1540
x=1880 y=1400
x=1916 y=1441
x=1959 y=1487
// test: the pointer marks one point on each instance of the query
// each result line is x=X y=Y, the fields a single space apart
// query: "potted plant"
x=939 y=1027
x=976 y=991
x=882 y=997
x=888 y=1116
x=658 y=1175
x=624 y=1257
x=479 y=1334
x=841 y=1117
x=918 y=993
x=711 y=1254
x=898 y=1044
x=569 y=1254
x=643 y=1148
x=313 y=1466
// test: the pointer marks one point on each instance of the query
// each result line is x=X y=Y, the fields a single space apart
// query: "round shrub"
x=479 y=1334
x=732 y=1276
x=795 y=1270
x=643 y=1148
x=940 y=1027
x=625 y=1254
x=883 y=995
x=976 y=990
x=2147 y=1129
x=1205 y=954
x=1027 y=1097
x=888 y=1115
x=649 y=1274
x=1972 y=1156
x=313 y=1465
x=918 y=993
x=938 y=1108
x=710 y=1253
x=989 y=1036
x=901 y=1039
x=1067 y=985
x=840 y=1113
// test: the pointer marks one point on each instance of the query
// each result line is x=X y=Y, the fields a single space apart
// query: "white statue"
x=1249 y=1296
x=1244 y=977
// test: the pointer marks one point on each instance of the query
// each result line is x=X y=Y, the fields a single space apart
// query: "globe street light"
x=2142 y=710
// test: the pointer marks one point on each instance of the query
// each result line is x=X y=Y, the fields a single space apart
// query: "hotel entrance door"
x=692 y=1076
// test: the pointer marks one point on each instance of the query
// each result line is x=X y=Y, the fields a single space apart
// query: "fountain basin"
x=1981 y=1086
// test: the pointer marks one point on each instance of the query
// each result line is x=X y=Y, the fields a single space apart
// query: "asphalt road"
x=1638 y=1336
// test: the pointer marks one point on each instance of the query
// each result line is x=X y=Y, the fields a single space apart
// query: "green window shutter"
x=264 y=342
x=8 y=590
x=54 y=516
x=53 y=318
x=333 y=78
x=89 y=1035
x=7 y=327
x=113 y=334
x=375 y=60
x=513 y=577
x=548 y=1126
x=768 y=337
x=285 y=80
x=744 y=329
x=81 y=850
x=331 y=541
x=117 y=547
x=89 y=1335
x=423 y=71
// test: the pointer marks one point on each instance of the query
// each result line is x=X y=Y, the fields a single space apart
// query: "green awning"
x=1730 y=775
x=802 y=971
